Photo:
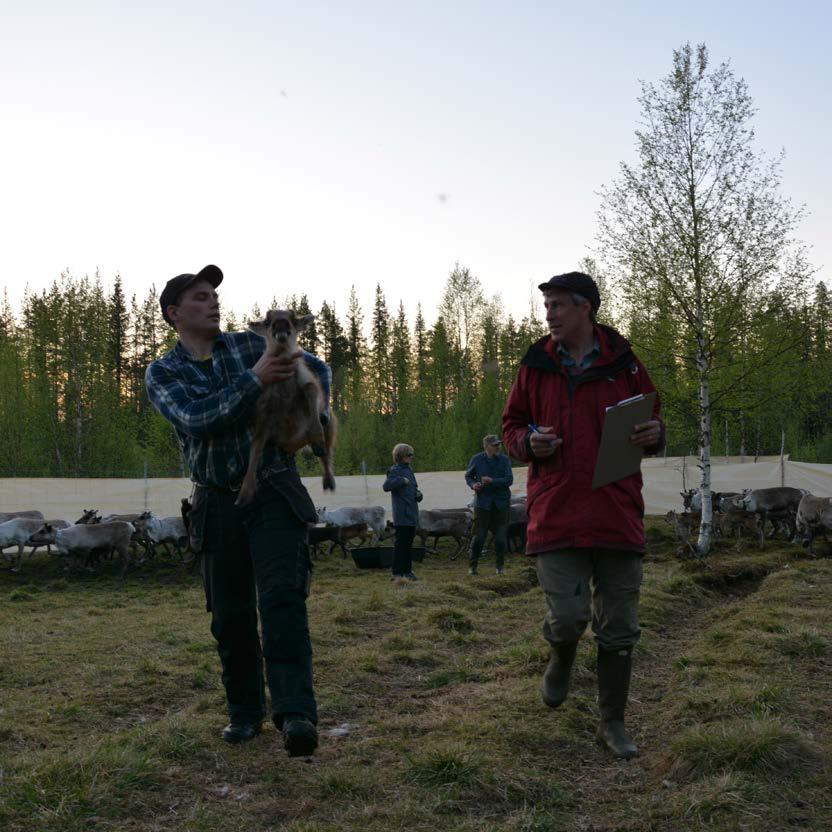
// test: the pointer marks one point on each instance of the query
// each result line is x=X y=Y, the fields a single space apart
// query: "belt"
x=222 y=489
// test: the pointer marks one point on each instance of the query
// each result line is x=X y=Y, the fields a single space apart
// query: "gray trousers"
x=598 y=585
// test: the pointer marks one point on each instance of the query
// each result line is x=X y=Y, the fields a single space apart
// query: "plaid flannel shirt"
x=571 y=366
x=213 y=412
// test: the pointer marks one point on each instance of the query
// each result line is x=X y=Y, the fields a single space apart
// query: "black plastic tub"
x=381 y=557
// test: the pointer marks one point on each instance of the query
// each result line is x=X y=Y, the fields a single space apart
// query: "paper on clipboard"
x=617 y=458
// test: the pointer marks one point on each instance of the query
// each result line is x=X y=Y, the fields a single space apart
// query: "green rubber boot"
x=614 y=670
x=556 y=676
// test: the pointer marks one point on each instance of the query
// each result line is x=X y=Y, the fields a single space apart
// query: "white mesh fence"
x=663 y=480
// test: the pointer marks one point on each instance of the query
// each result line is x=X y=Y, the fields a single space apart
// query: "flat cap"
x=578 y=282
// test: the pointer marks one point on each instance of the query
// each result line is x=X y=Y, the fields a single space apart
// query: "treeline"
x=73 y=403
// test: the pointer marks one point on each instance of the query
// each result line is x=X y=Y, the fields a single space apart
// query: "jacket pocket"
x=629 y=495
x=541 y=482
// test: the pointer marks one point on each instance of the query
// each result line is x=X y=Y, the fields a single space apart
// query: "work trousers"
x=402 y=551
x=496 y=521
x=597 y=585
x=256 y=558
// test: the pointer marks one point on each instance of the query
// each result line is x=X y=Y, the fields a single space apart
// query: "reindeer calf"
x=683 y=523
x=288 y=411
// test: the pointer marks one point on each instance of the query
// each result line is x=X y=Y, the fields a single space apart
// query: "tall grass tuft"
x=750 y=745
x=445 y=768
x=450 y=620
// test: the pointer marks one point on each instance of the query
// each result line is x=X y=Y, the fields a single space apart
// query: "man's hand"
x=647 y=434
x=477 y=486
x=271 y=368
x=487 y=480
x=544 y=442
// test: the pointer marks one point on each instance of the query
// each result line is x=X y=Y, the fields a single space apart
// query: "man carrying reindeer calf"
x=253 y=556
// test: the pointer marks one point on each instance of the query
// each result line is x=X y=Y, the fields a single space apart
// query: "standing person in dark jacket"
x=207 y=387
x=401 y=483
x=489 y=475
x=588 y=543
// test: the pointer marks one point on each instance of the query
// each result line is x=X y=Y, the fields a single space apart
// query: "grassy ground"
x=110 y=705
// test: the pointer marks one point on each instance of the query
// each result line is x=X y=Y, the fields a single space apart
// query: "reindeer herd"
x=793 y=513
x=91 y=537
x=82 y=545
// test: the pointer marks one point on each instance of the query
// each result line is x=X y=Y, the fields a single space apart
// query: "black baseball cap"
x=176 y=285
x=578 y=282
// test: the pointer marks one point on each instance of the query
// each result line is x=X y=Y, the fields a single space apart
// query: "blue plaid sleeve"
x=198 y=412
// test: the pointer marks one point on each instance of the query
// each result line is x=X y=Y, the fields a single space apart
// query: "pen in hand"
x=536 y=429
x=543 y=444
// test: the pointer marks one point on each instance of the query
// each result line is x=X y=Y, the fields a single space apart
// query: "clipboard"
x=617 y=458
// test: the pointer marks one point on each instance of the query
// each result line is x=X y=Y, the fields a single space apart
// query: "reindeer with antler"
x=288 y=411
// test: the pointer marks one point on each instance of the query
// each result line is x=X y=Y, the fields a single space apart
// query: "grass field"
x=110 y=705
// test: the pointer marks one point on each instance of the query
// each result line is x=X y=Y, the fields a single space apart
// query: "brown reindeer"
x=288 y=412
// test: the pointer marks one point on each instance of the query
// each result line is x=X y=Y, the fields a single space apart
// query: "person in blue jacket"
x=401 y=483
x=489 y=475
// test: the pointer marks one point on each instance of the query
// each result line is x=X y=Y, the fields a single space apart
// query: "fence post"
x=146 y=485
x=727 y=453
x=782 y=464
x=366 y=484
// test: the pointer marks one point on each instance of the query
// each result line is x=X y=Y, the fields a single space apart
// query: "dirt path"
x=628 y=795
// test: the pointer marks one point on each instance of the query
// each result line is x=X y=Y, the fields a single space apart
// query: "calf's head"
x=687 y=497
x=281 y=328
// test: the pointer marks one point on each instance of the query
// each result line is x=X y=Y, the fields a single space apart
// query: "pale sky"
x=305 y=147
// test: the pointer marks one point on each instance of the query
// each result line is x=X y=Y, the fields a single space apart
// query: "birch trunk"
x=703 y=545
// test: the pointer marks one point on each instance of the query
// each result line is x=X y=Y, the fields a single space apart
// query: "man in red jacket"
x=589 y=544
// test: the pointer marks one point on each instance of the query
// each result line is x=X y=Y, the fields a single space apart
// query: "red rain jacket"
x=563 y=509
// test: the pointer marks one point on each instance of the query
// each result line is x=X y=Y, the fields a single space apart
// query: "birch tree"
x=698 y=224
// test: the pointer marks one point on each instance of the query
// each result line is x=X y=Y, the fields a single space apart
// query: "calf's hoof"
x=329 y=482
x=243 y=498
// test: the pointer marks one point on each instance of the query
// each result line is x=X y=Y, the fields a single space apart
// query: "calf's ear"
x=302 y=323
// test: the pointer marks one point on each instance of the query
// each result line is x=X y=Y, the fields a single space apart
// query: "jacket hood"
x=616 y=353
